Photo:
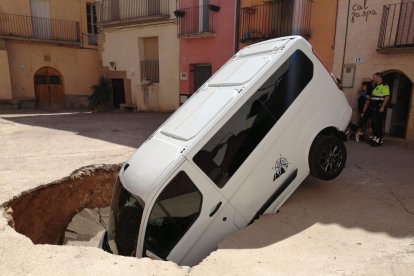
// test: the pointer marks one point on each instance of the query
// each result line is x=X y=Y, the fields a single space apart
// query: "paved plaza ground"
x=360 y=223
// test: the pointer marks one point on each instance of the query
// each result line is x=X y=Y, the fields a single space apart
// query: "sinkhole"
x=68 y=211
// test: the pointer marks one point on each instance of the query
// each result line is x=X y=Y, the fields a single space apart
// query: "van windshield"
x=124 y=221
x=175 y=210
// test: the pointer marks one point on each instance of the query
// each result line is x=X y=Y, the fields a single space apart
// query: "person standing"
x=377 y=102
x=365 y=94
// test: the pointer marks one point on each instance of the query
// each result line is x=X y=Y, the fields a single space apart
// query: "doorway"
x=399 y=106
x=202 y=72
x=48 y=83
x=118 y=96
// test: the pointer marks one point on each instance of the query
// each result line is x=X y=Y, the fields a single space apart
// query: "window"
x=154 y=7
x=91 y=24
x=41 y=23
x=124 y=222
x=226 y=151
x=149 y=60
x=175 y=210
x=54 y=79
x=204 y=24
x=40 y=79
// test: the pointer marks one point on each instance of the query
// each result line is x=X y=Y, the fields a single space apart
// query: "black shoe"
x=377 y=142
x=373 y=140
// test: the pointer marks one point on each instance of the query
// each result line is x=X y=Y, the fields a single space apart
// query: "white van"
x=238 y=148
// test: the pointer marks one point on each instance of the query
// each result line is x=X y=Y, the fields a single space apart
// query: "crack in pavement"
x=101 y=220
x=71 y=231
x=391 y=192
x=398 y=198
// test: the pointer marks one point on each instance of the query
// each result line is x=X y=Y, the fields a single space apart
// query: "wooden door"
x=49 y=88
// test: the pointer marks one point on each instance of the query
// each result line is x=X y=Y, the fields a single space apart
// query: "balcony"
x=275 y=19
x=23 y=27
x=397 y=28
x=150 y=71
x=121 y=12
x=93 y=39
x=196 y=21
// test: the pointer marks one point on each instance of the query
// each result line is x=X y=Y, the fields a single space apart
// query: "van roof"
x=222 y=87
x=266 y=46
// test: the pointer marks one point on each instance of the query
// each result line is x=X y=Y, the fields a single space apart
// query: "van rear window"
x=227 y=150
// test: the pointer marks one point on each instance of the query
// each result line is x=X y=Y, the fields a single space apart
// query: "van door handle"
x=215 y=209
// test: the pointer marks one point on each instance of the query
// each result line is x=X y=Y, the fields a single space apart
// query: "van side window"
x=175 y=210
x=226 y=151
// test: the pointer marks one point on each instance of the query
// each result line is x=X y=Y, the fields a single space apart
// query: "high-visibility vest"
x=378 y=94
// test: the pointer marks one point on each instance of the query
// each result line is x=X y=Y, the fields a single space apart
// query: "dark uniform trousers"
x=377 y=122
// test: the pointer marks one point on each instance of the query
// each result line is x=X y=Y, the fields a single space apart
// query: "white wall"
x=121 y=46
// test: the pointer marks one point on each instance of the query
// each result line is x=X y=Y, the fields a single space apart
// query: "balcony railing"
x=150 y=70
x=275 y=19
x=397 y=26
x=93 y=39
x=196 y=20
x=118 y=10
x=37 y=28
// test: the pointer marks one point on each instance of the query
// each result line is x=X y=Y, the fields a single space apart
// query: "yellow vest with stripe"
x=378 y=94
x=380 y=91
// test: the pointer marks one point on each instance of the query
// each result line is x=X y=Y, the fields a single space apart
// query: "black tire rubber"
x=327 y=157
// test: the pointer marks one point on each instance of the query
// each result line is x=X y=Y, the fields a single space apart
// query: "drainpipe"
x=346 y=39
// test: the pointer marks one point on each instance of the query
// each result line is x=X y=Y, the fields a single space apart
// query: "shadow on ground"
x=374 y=193
x=128 y=129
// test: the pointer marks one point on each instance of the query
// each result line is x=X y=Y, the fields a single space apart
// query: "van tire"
x=327 y=157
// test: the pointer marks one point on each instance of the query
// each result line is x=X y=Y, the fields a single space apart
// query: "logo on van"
x=280 y=167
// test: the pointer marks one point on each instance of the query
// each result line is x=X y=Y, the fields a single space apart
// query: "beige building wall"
x=78 y=64
x=79 y=67
x=63 y=10
x=356 y=44
x=15 y=7
x=122 y=46
x=5 y=84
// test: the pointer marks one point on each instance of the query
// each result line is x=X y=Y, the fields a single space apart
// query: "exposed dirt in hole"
x=44 y=213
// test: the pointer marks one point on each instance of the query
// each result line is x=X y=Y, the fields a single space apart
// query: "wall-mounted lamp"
x=179 y=13
x=214 y=8
x=112 y=64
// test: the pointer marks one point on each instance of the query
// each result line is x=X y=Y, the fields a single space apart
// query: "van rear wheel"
x=327 y=157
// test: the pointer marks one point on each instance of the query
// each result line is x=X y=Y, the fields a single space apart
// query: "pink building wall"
x=214 y=50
